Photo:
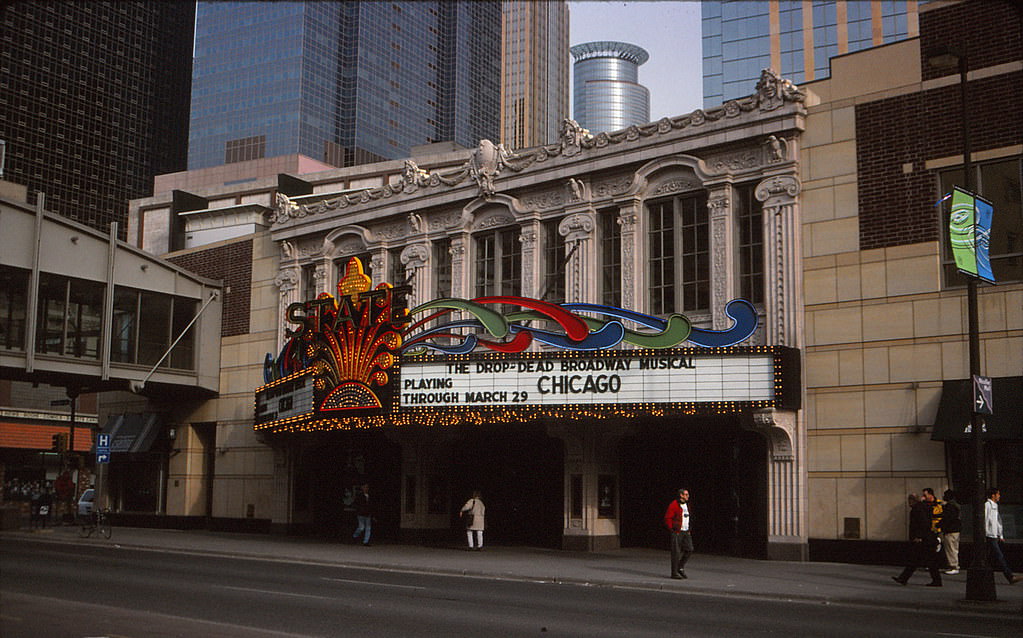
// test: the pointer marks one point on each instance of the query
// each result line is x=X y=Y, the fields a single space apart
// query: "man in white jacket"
x=993 y=531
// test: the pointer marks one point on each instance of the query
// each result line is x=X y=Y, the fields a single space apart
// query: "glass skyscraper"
x=606 y=88
x=94 y=101
x=342 y=82
x=794 y=37
x=535 y=73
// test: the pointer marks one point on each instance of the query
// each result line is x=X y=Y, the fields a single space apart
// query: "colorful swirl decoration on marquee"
x=350 y=343
x=600 y=328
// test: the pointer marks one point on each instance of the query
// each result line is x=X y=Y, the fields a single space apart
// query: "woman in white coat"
x=474 y=511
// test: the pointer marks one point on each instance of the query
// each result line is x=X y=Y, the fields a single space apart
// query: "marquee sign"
x=362 y=359
x=634 y=377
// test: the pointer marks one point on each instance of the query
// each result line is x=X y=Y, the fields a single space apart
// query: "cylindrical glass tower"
x=608 y=96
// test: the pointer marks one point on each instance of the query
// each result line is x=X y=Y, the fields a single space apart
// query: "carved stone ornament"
x=778 y=190
x=573 y=137
x=284 y=209
x=415 y=256
x=350 y=247
x=488 y=160
x=677 y=186
x=773 y=91
x=412 y=177
x=718 y=206
x=494 y=221
x=415 y=222
x=391 y=232
x=541 y=201
x=777 y=149
x=287 y=251
x=286 y=280
x=780 y=429
x=575 y=227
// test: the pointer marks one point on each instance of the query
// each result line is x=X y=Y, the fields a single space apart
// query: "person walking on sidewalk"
x=993 y=532
x=473 y=513
x=364 y=515
x=923 y=542
x=951 y=526
x=676 y=519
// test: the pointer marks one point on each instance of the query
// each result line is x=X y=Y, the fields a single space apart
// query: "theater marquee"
x=679 y=376
x=361 y=359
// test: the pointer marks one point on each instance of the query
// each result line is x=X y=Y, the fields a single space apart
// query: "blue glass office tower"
x=342 y=82
x=793 y=37
x=606 y=88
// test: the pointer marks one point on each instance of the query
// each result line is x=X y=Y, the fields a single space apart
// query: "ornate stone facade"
x=569 y=186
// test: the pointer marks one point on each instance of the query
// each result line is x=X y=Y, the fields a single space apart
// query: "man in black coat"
x=923 y=542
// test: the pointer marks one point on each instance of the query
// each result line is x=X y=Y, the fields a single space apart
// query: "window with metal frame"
x=1000 y=183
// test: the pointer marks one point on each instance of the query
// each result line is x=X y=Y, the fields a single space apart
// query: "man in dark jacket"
x=923 y=542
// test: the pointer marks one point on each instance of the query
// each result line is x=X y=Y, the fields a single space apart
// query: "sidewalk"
x=825 y=583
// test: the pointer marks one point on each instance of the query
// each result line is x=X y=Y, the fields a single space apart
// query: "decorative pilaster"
x=722 y=246
x=786 y=482
x=783 y=277
x=577 y=229
x=378 y=266
x=287 y=282
x=530 y=258
x=414 y=258
x=633 y=274
x=320 y=276
x=459 y=276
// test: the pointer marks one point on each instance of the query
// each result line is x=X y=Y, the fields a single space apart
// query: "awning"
x=133 y=432
x=953 y=416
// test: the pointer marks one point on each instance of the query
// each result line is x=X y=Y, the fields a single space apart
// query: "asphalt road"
x=54 y=590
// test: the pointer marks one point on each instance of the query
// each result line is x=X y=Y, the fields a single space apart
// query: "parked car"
x=85 y=502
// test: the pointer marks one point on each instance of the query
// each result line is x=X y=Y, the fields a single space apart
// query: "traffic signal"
x=59 y=442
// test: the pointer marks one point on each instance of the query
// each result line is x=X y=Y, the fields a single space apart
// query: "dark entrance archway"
x=723 y=466
x=519 y=470
x=330 y=467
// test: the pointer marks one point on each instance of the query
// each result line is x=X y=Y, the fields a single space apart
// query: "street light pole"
x=980 y=581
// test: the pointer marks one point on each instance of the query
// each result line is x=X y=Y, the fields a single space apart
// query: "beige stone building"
x=886 y=315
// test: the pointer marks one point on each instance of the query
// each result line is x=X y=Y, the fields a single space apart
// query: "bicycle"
x=97 y=521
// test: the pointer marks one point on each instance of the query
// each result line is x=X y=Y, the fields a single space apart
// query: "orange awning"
x=39 y=436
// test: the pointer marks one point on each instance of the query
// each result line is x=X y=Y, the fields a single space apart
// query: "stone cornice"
x=491 y=168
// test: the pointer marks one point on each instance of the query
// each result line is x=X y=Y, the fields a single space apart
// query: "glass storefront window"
x=182 y=356
x=154 y=327
x=51 y=315
x=124 y=334
x=13 y=307
x=84 y=318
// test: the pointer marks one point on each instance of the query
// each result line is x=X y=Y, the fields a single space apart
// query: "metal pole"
x=980 y=580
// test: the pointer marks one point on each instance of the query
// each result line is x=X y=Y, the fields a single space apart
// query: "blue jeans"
x=365 y=527
x=998 y=558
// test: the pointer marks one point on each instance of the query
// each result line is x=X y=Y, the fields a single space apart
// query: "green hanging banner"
x=969 y=231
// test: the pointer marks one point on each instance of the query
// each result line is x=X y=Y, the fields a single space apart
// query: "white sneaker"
x=951 y=572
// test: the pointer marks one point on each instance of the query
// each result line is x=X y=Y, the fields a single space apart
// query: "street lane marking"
x=273 y=592
x=366 y=582
x=121 y=613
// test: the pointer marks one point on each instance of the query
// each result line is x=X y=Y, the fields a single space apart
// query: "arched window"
x=679 y=254
x=498 y=262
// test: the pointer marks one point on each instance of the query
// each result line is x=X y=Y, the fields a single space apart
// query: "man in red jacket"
x=676 y=519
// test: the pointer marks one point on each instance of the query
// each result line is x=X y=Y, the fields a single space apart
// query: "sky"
x=669 y=30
